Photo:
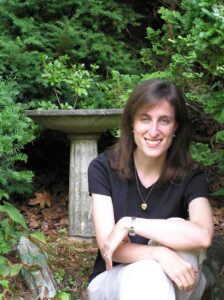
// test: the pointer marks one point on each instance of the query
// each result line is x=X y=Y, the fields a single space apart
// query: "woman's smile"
x=153 y=143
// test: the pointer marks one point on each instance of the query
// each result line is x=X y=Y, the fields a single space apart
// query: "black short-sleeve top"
x=165 y=201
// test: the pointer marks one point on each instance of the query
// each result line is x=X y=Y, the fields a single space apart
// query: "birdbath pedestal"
x=83 y=128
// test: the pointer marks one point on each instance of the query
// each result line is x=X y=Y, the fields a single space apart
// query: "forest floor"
x=70 y=260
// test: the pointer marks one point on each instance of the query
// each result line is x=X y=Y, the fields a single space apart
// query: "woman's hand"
x=180 y=271
x=118 y=235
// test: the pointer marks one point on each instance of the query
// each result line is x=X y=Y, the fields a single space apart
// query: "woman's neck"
x=148 y=169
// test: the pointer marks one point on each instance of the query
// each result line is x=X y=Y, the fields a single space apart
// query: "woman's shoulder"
x=196 y=182
x=196 y=173
x=101 y=159
x=101 y=162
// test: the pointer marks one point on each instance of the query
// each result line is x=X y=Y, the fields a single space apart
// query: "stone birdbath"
x=83 y=127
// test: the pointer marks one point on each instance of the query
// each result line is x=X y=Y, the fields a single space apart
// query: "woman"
x=150 y=209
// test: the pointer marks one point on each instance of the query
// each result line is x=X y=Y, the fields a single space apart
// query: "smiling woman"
x=154 y=128
x=170 y=107
x=150 y=208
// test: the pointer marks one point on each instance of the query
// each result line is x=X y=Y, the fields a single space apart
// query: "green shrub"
x=73 y=79
x=16 y=130
x=73 y=86
x=88 y=32
x=188 y=49
x=204 y=155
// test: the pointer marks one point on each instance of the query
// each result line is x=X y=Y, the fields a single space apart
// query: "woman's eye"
x=164 y=121
x=144 y=119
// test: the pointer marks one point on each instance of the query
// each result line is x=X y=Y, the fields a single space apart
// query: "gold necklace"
x=144 y=205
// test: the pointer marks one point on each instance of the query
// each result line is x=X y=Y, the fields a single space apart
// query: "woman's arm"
x=178 y=234
x=180 y=271
x=107 y=232
x=103 y=217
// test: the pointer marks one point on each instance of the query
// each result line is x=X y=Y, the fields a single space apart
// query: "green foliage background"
x=89 y=32
x=89 y=54
x=16 y=130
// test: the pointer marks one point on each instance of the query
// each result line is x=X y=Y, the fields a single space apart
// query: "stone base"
x=213 y=269
x=83 y=150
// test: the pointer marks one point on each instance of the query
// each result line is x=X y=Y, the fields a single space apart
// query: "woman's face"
x=154 y=128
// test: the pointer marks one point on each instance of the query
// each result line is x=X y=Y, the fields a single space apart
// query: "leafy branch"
x=58 y=75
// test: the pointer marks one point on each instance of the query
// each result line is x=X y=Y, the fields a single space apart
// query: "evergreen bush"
x=16 y=131
x=88 y=32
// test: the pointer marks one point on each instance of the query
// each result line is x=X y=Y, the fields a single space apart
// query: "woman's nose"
x=154 y=129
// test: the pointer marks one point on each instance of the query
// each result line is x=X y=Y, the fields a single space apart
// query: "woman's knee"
x=145 y=280
x=144 y=270
x=195 y=256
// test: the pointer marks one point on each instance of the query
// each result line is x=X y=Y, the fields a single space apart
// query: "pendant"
x=144 y=206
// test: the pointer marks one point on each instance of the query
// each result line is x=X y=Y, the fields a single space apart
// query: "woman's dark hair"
x=150 y=92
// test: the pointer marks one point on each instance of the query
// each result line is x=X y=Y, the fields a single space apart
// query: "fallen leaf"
x=34 y=224
x=50 y=214
x=215 y=220
x=64 y=221
x=43 y=199
x=64 y=200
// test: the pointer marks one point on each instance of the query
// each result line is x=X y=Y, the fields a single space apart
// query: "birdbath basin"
x=83 y=128
x=77 y=120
